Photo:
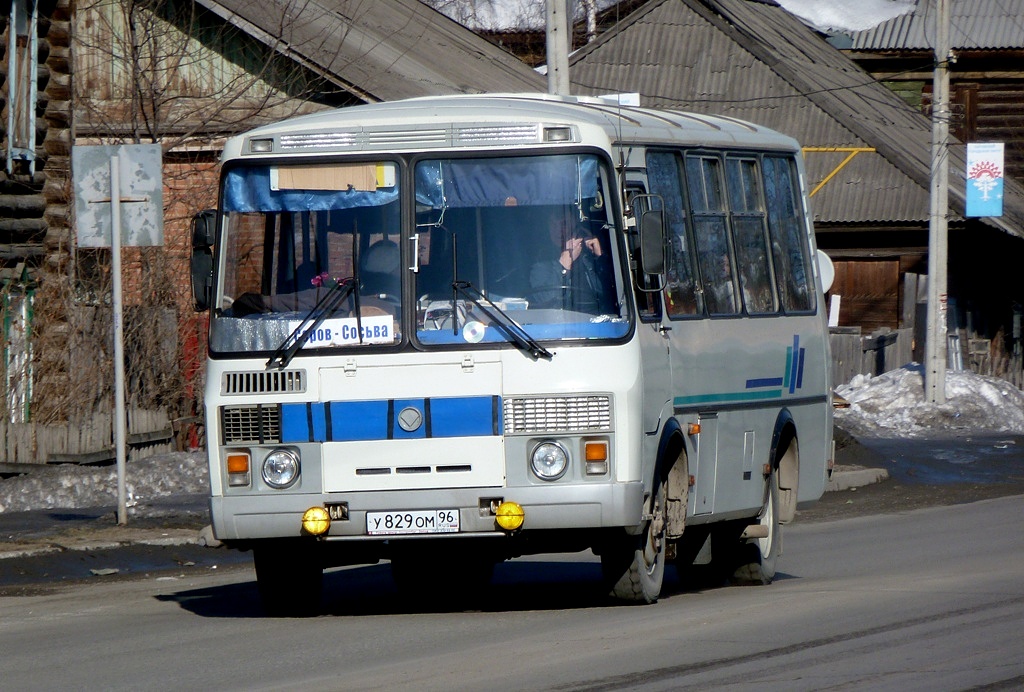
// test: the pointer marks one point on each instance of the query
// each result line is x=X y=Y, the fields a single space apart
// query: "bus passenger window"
x=750 y=236
x=715 y=268
x=665 y=179
x=710 y=230
x=790 y=250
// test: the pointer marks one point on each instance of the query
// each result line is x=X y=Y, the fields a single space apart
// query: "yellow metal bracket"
x=850 y=153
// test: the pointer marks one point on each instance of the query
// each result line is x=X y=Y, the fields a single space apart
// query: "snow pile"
x=69 y=486
x=847 y=15
x=893 y=404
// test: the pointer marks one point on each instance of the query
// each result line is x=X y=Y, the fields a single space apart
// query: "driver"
x=570 y=275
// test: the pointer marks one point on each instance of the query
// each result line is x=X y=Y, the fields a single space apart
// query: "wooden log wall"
x=34 y=218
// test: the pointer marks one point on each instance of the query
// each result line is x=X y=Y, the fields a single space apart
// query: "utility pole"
x=557 y=47
x=935 y=342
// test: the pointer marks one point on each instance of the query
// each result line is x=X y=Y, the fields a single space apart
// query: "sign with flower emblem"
x=984 y=179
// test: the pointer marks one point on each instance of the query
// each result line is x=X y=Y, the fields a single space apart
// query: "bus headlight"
x=281 y=468
x=549 y=461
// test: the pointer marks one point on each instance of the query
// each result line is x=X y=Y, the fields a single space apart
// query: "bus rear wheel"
x=758 y=556
x=289 y=577
x=634 y=566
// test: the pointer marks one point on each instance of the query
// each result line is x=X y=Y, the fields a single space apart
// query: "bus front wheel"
x=634 y=566
x=289 y=577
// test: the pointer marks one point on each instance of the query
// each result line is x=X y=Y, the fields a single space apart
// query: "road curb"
x=151 y=537
x=855 y=477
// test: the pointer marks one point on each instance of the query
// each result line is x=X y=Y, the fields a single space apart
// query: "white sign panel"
x=141 y=193
x=984 y=179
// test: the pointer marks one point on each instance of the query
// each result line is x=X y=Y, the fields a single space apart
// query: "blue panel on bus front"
x=465 y=416
x=359 y=420
x=302 y=423
x=385 y=419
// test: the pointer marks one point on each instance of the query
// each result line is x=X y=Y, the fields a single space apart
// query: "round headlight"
x=549 y=460
x=281 y=468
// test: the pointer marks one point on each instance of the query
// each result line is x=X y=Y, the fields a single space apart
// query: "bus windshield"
x=508 y=249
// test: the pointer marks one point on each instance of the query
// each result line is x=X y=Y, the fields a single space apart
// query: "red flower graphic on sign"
x=984 y=175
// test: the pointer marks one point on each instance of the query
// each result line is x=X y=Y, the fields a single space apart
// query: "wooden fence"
x=148 y=432
x=856 y=354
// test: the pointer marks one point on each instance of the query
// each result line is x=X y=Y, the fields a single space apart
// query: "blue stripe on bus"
x=463 y=417
x=347 y=421
x=359 y=420
x=794 y=355
x=295 y=422
x=765 y=382
x=792 y=380
x=724 y=397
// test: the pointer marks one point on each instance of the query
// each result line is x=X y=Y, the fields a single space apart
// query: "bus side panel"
x=735 y=376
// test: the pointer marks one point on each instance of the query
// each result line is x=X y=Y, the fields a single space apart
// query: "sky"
x=887 y=406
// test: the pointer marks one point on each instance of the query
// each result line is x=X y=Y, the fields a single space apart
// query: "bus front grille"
x=259 y=423
x=558 y=414
x=263 y=382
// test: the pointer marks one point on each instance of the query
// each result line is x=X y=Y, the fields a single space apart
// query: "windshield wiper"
x=316 y=316
x=516 y=334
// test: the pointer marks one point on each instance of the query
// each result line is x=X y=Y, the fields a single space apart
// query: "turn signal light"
x=238 y=468
x=596 y=454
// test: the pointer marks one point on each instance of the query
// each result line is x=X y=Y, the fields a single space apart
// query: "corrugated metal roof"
x=974 y=24
x=381 y=50
x=755 y=61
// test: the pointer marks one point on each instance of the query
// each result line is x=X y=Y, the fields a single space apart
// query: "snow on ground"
x=68 y=486
x=889 y=405
x=893 y=405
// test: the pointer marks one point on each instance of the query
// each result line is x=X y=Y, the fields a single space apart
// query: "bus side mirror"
x=652 y=241
x=204 y=228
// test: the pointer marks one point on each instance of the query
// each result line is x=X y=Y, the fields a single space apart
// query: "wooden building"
x=986 y=75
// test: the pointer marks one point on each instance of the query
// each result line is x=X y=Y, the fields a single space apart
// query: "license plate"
x=415 y=521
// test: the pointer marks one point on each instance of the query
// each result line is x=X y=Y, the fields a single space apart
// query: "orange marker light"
x=238 y=463
x=596 y=451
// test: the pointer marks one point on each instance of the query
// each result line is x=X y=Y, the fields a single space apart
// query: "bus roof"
x=499 y=120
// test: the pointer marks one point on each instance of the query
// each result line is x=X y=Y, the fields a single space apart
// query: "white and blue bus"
x=450 y=331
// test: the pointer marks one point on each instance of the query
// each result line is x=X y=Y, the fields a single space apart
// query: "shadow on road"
x=518 y=585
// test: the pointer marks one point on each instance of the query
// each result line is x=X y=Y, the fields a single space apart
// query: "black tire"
x=634 y=566
x=760 y=555
x=289 y=577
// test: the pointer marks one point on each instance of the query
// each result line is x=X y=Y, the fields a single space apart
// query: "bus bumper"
x=580 y=506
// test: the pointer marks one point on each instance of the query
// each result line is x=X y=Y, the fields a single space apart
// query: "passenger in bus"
x=573 y=272
x=379 y=271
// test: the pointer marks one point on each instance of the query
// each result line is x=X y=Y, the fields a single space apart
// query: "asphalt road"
x=922 y=599
x=926 y=472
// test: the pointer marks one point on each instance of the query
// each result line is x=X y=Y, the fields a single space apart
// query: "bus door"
x=652 y=333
